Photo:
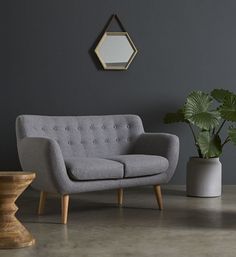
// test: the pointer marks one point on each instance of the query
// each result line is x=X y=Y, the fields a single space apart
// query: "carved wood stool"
x=12 y=233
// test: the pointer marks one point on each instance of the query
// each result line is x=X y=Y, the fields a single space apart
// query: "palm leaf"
x=209 y=145
x=220 y=94
x=228 y=108
x=196 y=111
x=175 y=117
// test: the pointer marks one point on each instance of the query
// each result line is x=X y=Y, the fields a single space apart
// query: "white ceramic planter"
x=204 y=177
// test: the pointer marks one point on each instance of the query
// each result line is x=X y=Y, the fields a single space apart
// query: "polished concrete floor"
x=191 y=227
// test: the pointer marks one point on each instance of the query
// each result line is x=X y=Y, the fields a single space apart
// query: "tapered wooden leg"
x=64 y=208
x=157 y=190
x=120 y=194
x=43 y=196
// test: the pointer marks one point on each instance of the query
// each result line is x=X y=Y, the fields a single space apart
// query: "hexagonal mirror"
x=115 y=50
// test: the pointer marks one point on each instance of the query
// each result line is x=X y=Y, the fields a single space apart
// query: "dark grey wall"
x=47 y=66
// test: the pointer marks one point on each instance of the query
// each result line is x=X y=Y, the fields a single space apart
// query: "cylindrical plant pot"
x=204 y=177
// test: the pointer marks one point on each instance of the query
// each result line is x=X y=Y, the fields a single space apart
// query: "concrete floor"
x=195 y=227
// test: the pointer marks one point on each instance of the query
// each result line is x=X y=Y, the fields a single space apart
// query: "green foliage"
x=228 y=108
x=220 y=94
x=175 y=117
x=232 y=135
x=207 y=122
x=210 y=145
x=197 y=111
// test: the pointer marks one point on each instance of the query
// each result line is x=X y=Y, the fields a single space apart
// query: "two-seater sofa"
x=75 y=154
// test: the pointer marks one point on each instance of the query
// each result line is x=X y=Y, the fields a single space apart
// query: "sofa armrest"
x=162 y=144
x=43 y=156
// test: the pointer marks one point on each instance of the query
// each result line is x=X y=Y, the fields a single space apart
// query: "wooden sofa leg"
x=120 y=194
x=157 y=190
x=64 y=208
x=43 y=196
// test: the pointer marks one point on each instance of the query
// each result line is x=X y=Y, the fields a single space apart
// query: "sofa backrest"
x=91 y=136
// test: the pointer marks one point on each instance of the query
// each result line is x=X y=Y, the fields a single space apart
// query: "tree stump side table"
x=12 y=233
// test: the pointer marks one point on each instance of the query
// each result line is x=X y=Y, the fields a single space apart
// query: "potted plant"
x=206 y=124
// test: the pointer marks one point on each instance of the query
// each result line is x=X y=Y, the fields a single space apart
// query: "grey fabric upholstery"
x=162 y=144
x=115 y=167
x=93 y=168
x=43 y=155
x=44 y=143
x=84 y=136
x=138 y=165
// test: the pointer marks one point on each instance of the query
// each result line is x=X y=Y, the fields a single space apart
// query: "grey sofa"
x=75 y=154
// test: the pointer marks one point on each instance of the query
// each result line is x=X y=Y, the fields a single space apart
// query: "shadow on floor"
x=139 y=209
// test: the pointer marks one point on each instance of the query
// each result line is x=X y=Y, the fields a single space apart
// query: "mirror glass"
x=115 y=50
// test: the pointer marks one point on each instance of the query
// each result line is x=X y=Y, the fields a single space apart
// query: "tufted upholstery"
x=84 y=136
x=64 y=152
x=75 y=154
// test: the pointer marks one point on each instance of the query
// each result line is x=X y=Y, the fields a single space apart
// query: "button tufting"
x=55 y=128
x=115 y=126
x=103 y=127
x=107 y=140
x=67 y=128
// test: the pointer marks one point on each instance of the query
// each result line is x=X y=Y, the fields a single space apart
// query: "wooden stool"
x=12 y=233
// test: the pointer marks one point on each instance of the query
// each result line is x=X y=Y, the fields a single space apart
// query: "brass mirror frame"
x=115 y=34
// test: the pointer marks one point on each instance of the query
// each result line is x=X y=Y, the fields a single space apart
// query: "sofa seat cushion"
x=93 y=169
x=138 y=165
